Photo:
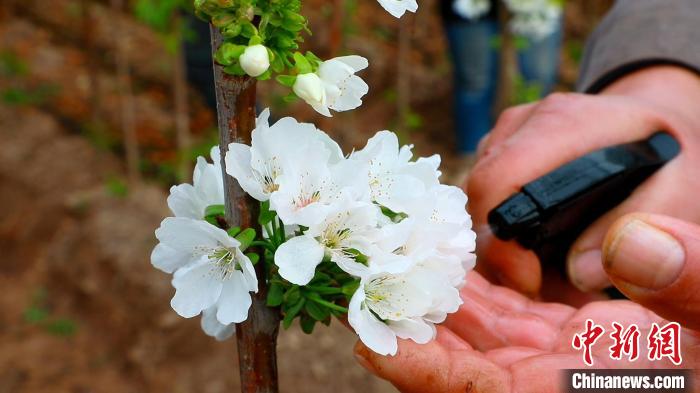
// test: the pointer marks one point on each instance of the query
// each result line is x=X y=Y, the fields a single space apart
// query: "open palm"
x=501 y=341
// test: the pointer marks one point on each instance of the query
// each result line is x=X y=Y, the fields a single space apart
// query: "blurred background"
x=102 y=110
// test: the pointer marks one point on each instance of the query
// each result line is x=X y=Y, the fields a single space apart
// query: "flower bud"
x=309 y=88
x=255 y=60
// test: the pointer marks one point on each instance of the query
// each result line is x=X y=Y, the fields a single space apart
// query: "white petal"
x=350 y=266
x=398 y=7
x=297 y=259
x=248 y=270
x=196 y=288
x=414 y=328
x=238 y=165
x=375 y=334
x=212 y=327
x=186 y=234
x=184 y=201
x=168 y=259
x=357 y=63
x=235 y=300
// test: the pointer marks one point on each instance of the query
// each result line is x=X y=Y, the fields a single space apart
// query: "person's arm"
x=637 y=34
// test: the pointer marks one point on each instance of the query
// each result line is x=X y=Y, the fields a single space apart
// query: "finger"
x=559 y=130
x=508 y=262
x=671 y=191
x=655 y=261
x=432 y=368
x=508 y=123
x=488 y=315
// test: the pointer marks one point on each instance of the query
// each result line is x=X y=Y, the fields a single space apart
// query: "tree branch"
x=257 y=336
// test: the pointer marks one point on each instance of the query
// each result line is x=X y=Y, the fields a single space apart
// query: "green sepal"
x=233 y=232
x=286 y=80
x=234 y=69
x=254 y=257
x=255 y=40
x=214 y=210
x=265 y=75
x=350 y=288
x=246 y=237
x=302 y=65
x=228 y=53
x=275 y=295
x=266 y=215
x=291 y=97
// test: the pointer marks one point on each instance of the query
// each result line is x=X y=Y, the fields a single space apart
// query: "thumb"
x=655 y=261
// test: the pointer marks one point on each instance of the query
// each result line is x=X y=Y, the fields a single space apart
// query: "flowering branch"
x=256 y=336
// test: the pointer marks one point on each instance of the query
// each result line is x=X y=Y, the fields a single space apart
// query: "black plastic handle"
x=549 y=213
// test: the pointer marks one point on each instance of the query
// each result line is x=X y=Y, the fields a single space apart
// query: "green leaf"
x=350 y=288
x=292 y=295
x=292 y=313
x=215 y=210
x=317 y=311
x=307 y=324
x=62 y=327
x=302 y=65
x=254 y=258
x=255 y=40
x=275 y=294
x=228 y=53
x=233 y=231
x=266 y=215
x=246 y=237
x=234 y=69
x=35 y=314
x=286 y=80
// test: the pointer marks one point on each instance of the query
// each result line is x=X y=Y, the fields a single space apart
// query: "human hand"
x=531 y=140
x=500 y=341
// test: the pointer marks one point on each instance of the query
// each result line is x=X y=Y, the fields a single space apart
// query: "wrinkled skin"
x=500 y=341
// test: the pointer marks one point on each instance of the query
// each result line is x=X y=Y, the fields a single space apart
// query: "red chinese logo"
x=663 y=342
x=586 y=340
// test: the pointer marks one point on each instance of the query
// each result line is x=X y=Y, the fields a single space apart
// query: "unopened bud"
x=255 y=60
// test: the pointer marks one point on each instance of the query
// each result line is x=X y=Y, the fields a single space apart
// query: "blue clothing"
x=476 y=62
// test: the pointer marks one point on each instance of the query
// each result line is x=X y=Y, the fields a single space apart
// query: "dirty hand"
x=501 y=341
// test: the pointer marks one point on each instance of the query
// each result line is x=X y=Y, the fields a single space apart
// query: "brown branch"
x=508 y=69
x=257 y=336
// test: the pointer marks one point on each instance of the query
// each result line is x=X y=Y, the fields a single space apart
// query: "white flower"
x=309 y=87
x=274 y=149
x=190 y=200
x=210 y=269
x=347 y=227
x=471 y=9
x=394 y=179
x=441 y=215
x=255 y=60
x=310 y=186
x=398 y=7
x=212 y=327
x=335 y=85
x=387 y=306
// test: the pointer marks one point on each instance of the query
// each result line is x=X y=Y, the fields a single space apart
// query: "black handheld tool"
x=549 y=213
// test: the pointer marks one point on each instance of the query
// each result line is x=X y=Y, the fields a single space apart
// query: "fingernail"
x=361 y=357
x=586 y=270
x=644 y=256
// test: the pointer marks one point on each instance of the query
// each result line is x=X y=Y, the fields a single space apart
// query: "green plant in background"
x=525 y=91
x=39 y=314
